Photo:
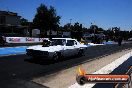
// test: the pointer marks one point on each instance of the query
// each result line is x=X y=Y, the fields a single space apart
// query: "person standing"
x=2 y=40
x=119 y=40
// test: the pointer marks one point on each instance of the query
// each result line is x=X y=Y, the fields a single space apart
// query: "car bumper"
x=37 y=53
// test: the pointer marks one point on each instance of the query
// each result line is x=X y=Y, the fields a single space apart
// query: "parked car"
x=57 y=48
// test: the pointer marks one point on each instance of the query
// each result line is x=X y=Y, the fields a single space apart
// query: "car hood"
x=49 y=48
x=82 y=45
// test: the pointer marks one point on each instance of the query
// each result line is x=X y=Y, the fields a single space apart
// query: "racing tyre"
x=56 y=56
x=34 y=58
x=81 y=52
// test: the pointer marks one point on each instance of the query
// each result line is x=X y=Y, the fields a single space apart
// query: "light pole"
x=70 y=27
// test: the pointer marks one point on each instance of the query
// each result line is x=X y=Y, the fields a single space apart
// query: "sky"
x=103 y=13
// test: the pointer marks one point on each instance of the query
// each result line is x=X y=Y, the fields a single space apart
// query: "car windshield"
x=55 y=42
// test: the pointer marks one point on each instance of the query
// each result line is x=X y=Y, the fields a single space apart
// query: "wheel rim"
x=55 y=57
x=81 y=52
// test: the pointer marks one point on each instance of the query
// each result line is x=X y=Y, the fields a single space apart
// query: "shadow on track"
x=43 y=61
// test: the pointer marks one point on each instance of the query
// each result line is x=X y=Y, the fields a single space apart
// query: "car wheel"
x=81 y=52
x=81 y=80
x=33 y=58
x=56 y=56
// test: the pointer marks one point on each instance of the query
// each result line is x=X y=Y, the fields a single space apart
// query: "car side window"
x=70 y=42
x=64 y=42
x=75 y=42
x=58 y=42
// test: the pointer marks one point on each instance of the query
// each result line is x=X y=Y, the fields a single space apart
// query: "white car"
x=57 y=48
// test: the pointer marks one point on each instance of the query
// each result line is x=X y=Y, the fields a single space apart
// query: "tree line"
x=46 y=19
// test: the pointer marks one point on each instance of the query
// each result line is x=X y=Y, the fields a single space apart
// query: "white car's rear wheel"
x=81 y=52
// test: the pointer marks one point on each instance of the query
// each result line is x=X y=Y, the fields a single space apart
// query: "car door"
x=76 y=48
x=69 y=48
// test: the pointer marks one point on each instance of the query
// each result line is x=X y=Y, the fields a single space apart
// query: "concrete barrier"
x=129 y=84
x=12 y=50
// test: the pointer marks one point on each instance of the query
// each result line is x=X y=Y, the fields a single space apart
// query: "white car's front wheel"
x=56 y=56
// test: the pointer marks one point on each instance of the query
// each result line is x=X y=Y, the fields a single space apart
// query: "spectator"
x=2 y=40
x=107 y=38
x=119 y=40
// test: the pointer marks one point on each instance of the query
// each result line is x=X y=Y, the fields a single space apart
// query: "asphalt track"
x=17 y=71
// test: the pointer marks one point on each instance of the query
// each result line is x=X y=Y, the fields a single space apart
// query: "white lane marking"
x=105 y=70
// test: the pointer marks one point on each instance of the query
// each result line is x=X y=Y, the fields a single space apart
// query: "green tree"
x=94 y=29
x=46 y=19
x=24 y=22
x=67 y=27
x=130 y=34
x=76 y=31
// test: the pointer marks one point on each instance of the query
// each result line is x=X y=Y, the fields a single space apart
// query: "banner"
x=30 y=39
x=24 y=40
x=15 y=40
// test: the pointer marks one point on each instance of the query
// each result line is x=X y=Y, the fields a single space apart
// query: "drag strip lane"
x=21 y=67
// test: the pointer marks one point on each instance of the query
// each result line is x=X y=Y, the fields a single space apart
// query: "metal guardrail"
x=127 y=85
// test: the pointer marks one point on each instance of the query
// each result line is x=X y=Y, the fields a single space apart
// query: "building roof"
x=8 y=13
